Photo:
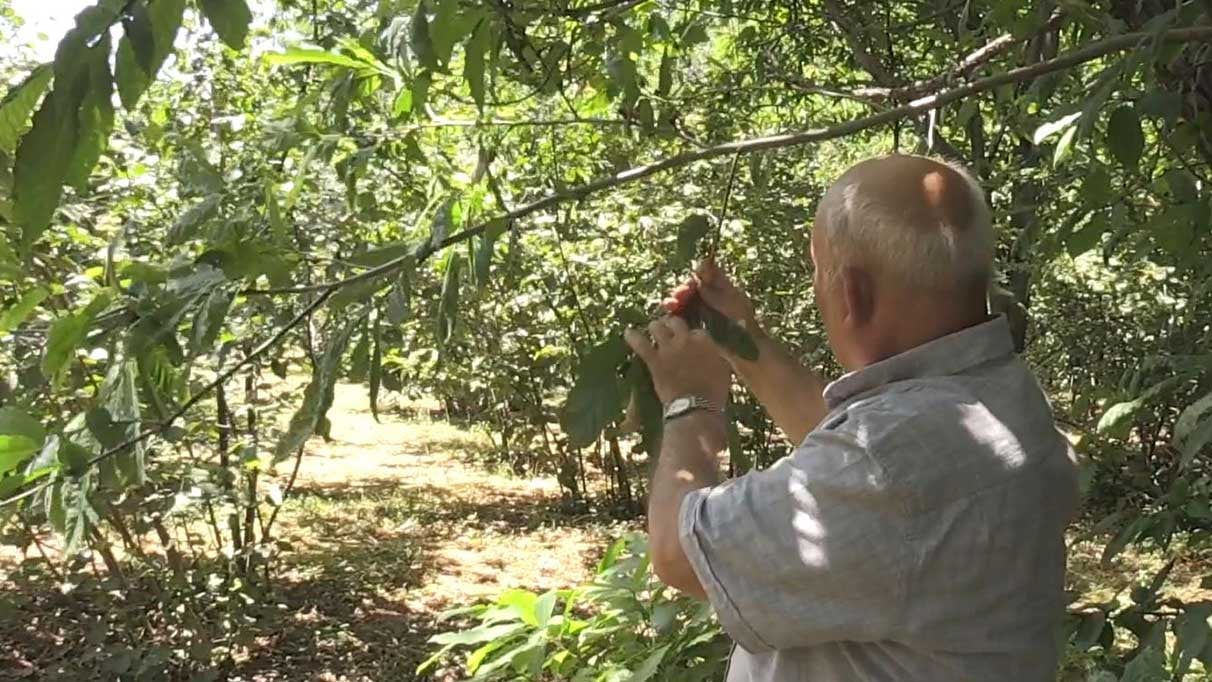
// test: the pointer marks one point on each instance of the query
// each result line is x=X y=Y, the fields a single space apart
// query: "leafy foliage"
x=462 y=200
x=623 y=626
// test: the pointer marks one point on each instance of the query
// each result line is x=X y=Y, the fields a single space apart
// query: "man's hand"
x=790 y=392
x=682 y=361
x=717 y=290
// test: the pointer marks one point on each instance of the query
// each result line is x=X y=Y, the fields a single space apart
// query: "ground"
x=389 y=525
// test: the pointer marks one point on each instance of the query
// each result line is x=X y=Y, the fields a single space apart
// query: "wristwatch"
x=684 y=405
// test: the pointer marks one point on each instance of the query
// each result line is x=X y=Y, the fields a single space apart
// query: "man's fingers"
x=661 y=333
x=639 y=343
x=676 y=326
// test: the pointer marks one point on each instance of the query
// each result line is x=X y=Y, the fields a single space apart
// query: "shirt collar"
x=943 y=356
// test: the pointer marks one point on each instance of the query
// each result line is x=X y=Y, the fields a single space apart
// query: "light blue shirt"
x=917 y=534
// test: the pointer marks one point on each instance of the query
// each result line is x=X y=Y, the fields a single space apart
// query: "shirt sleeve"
x=811 y=550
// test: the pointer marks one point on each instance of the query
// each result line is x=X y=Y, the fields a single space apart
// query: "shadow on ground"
x=357 y=592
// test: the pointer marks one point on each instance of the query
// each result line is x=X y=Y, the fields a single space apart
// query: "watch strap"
x=684 y=405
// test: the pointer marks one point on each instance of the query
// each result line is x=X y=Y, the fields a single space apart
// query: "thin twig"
x=290 y=485
x=50 y=565
x=714 y=247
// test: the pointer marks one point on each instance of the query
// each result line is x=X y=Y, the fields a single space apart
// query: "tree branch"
x=965 y=66
x=924 y=104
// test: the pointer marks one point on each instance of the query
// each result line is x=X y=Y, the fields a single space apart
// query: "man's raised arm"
x=789 y=391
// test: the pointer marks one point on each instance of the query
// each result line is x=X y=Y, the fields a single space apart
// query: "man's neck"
x=914 y=323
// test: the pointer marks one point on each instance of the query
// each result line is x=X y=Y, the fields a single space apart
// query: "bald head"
x=910 y=219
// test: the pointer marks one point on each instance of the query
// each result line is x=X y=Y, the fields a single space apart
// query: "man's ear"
x=858 y=296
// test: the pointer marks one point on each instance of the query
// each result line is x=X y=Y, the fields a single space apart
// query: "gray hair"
x=864 y=224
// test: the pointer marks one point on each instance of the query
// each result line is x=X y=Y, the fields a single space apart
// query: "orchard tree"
x=471 y=200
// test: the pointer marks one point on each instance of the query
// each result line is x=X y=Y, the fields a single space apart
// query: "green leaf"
x=543 y=609
x=1148 y=666
x=192 y=219
x=45 y=153
x=120 y=393
x=1173 y=229
x=611 y=556
x=65 y=335
x=20 y=437
x=1089 y=630
x=434 y=659
x=1182 y=185
x=95 y=116
x=72 y=458
x=1189 y=417
x=596 y=398
x=296 y=183
x=740 y=459
x=1196 y=441
x=137 y=28
x=485 y=250
x=651 y=414
x=1086 y=238
x=522 y=602
x=690 y=232
x=649 y=666
x=665 y=77
x=403 y=102
x=419 y=93
x=448 y=305
x=380 y=255
x=474 y=58
x=397 y=299
x=728 y=334
x=1125 y=535
x=1053 y=127
x=1193 y=633
x=19 y=103
x=440 y=225
x=359 y=364
x=132 y=75
x=104 y=428
x=10 y=319
x=273 y=213
x=445 y=30
x=1125 y=140
x=1096 y=189
x=317 y=397
x=1063 y=147
x=208 y=321
x=1116 y=420
x=1162 y=104
x=476 y=658
x=312 y=55
x=229 y=18
x=419 y=39
x=477 y=635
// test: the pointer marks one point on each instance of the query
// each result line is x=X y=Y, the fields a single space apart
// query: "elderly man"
x=917 y=531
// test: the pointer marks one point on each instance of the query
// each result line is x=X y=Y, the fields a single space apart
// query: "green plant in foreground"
x=624 y=625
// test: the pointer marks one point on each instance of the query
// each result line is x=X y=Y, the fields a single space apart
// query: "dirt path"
x=390 y=524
